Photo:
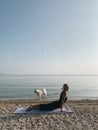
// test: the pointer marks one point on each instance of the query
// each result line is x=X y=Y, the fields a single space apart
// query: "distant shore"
x=84 y=116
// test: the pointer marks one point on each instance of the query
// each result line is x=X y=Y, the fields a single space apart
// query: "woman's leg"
x=33 y=107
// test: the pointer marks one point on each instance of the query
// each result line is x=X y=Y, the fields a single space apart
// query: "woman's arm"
x=62 y=100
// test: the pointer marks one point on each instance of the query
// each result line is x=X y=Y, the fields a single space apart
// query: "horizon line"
x=1 y=74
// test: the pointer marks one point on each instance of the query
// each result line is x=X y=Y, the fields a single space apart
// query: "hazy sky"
x=49 y=36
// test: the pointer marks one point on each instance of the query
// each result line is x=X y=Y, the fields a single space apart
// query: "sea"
x=17 y=87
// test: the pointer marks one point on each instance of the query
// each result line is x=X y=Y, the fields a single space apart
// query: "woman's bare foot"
x=29 y=108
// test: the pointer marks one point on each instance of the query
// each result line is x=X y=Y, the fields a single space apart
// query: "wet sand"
x=84 y=116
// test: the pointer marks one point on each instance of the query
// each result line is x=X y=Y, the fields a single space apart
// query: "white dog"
x=41 y=93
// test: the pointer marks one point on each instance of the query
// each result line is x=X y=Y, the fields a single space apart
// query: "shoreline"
x=84 y=116
x=45 y=100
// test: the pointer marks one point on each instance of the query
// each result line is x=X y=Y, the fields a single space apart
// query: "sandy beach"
x=83 y=117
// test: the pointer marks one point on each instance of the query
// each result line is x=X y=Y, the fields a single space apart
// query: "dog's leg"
x=40 y=96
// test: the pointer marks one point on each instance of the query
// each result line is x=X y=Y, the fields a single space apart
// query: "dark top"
x=52 y=105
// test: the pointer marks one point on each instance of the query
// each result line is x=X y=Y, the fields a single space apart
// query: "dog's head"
x=35 y=90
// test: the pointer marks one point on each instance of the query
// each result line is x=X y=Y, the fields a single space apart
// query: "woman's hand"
x=62 y=110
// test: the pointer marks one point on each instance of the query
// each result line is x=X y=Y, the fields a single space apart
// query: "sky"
x=48 y=37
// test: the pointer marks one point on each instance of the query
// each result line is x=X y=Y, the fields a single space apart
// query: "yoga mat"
x=23 y=110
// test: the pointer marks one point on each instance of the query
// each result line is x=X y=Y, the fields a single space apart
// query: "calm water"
x=22 y=87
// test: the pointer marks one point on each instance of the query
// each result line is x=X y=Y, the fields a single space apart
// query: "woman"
x=53 y=105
